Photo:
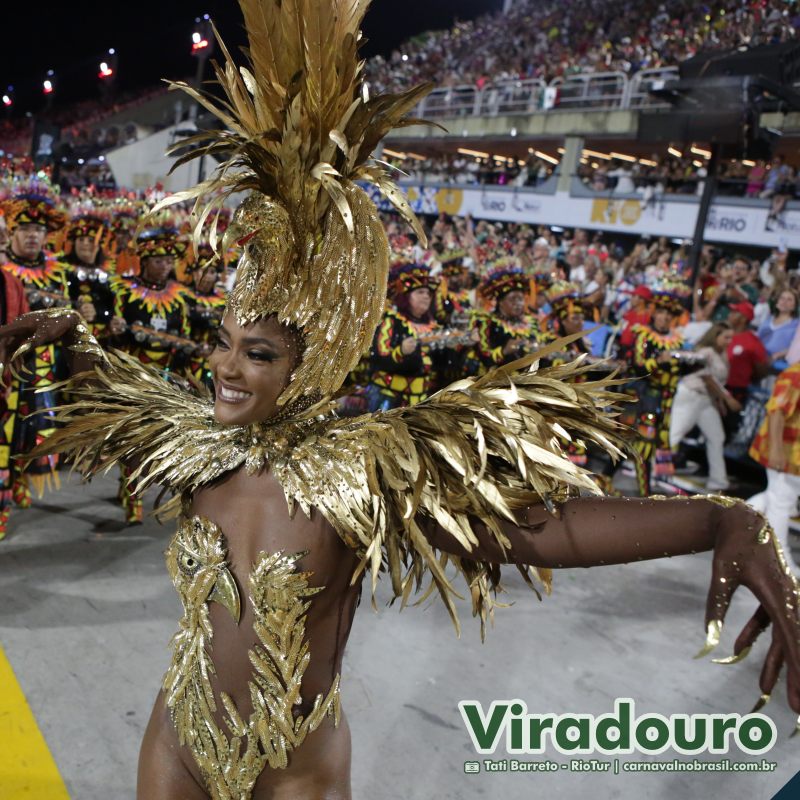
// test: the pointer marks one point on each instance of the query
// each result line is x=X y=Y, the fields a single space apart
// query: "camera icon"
x=472 y=766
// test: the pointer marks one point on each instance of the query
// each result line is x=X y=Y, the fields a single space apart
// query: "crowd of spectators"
x=467 y=170
x=744 y=307
x=553 y=39
x=648 y=178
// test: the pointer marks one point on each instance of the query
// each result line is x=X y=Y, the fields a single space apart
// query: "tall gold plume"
x=300 y=130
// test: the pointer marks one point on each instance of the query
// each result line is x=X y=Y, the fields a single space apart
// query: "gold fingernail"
x=762 y=701
x=713 y=634
x=734 y=659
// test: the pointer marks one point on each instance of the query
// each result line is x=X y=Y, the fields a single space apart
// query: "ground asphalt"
x=87 y=611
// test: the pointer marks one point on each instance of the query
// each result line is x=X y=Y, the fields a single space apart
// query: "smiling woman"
x=250 y=366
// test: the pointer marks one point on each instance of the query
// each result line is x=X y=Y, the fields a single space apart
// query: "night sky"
x=153 y=39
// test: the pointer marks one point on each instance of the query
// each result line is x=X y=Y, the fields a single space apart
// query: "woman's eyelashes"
x=255 y=354
x=261 y=355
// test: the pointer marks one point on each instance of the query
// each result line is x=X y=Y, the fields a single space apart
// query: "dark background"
x=153 y=39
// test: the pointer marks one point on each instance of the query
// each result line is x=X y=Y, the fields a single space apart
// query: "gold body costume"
x=300 y=131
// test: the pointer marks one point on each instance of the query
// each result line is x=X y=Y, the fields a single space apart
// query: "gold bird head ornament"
x=300 y=129
x=197 y=565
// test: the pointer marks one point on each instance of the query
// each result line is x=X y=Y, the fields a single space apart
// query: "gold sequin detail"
x=231 y=761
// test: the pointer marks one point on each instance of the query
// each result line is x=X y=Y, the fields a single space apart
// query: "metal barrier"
x=451 y=101
x=639 y=87
x=584 y=90
x=594 y=90
x=512 y=97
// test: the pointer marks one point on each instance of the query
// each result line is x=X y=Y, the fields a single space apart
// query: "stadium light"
x=465 y=151
x=8 y=97
x=673 y=152
x=545 y=157
x=48 y=84
x=698 y=151
x=202 y=40
x=596 y=154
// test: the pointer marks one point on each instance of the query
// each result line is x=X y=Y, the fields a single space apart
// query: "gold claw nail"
x=713 y=633
x=734 y=659
x=762 y=701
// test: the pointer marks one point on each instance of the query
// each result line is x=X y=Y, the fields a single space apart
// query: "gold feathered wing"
x=474 y=452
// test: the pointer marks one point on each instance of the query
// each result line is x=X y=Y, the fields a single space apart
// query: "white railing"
x=595 y=90
x=585 y=90
x=642 y=82
x=512 y=97
x=451 y=101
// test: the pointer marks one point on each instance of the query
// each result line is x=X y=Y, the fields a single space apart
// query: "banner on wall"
x=727 y=222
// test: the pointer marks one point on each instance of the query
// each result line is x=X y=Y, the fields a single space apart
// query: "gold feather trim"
x=475 y=452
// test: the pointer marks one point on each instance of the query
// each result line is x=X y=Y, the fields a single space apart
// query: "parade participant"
x=777 y=448
x=459 y=297
x=285 y=507
x=206 y=306
x=32 y=217
x=508 y=331
x=153 y=317
x=125 y=215
x=88 y=280
x=154 y=301
x=13 y=303
x=401 y=362
x=567 y=314
x=702 y=399
x=654 y=362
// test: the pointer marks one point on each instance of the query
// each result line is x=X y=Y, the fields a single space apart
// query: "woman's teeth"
x=232 y=396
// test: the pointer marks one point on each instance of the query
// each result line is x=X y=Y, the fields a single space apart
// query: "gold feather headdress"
x=300 y=131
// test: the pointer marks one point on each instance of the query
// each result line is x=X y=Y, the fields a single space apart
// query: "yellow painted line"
x=27 y=769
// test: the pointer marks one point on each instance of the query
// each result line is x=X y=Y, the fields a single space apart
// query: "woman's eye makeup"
x=261 y=355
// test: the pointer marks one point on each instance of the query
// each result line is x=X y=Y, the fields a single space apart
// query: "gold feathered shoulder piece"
x=299 y=131
x=471 y=455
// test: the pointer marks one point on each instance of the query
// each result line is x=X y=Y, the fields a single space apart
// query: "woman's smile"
x=227 y=394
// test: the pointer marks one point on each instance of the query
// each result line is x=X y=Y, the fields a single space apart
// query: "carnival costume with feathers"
x=299 y=133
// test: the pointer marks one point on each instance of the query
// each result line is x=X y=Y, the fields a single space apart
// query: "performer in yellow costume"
x=401 y=362
x=32 y=217
x=285 y=507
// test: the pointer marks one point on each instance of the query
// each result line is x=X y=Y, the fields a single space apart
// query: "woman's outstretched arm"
x=590 y=532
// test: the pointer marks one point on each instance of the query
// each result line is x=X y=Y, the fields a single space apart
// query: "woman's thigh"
x=163 y=775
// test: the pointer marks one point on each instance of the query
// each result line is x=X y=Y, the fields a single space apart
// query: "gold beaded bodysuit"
x=231 y=759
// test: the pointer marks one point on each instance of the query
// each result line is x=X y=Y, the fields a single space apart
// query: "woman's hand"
x=34 y=330
x=746 y=553
x=409 y=345
x=117 y=326
x=88 y=311
x=777 y=458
